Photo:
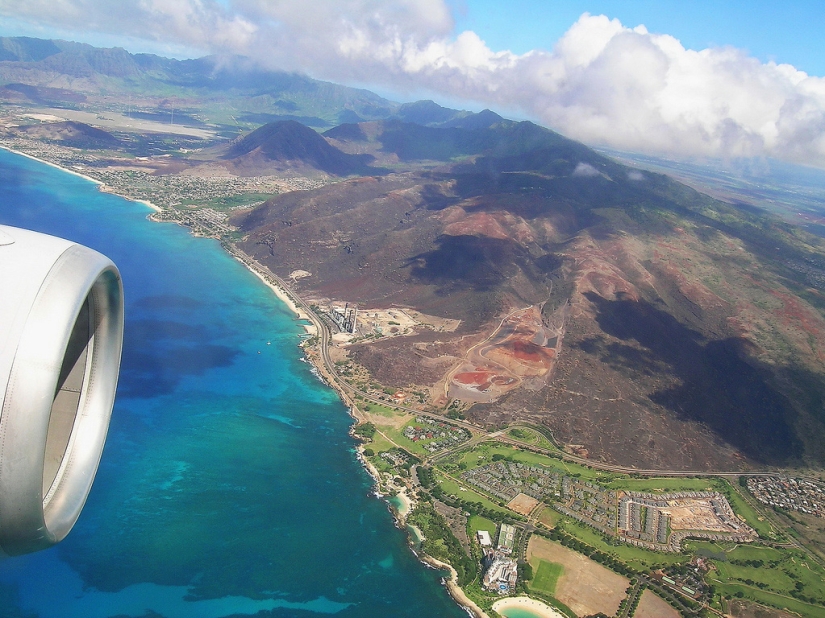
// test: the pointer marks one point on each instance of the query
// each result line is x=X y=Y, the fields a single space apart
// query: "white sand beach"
x=540 y=609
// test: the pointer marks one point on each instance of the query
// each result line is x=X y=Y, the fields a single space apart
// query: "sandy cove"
x=274 y=284
x=536 y=607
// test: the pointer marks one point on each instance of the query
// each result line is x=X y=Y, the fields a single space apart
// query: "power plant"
x=345 y=318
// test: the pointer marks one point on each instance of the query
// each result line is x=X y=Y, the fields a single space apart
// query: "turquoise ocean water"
x=229 y=484
x=519 y=612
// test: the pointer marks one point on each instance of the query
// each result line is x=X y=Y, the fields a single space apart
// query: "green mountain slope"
x=229 y=91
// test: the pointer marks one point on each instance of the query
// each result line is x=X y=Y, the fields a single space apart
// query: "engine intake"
x=61 y=335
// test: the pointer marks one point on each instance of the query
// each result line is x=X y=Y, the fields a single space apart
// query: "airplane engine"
x=61 y=334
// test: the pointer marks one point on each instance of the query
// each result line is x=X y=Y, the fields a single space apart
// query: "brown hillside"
x=679 y=332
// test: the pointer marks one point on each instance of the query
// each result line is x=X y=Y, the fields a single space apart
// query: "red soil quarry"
x=527 y=351
x=473 y=378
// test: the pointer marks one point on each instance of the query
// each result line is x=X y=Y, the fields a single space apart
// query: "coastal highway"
x=324 y=339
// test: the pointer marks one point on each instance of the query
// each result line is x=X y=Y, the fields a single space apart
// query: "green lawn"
x=663 y=484
x=774 y=600
x=477 y=522
x=531 y=436
x=381 y=464
x=524 y=434
x=469 y=494
x=379 y=443
x=777 y=575
x=377 y=408
x=754 y=519
x=482 y=454
x=546 y=577
x=398 y=436
x=401 y=440
x=776 y=579
x=755 y=552
x=550 y=517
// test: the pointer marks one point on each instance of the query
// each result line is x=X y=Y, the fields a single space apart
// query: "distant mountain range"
x=229 y=91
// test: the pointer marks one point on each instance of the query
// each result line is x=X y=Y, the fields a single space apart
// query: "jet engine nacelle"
x=61 y=334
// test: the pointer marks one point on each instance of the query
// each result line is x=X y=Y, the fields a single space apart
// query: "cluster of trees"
x=365 y=430
x=797 y=591
x=426 y=476
x=635 y=602
x=441 y=543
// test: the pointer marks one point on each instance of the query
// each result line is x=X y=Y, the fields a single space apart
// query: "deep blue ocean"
x=229 y=485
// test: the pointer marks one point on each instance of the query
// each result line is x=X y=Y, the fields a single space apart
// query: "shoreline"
x=453 y=588
x=101 y=186
x=536 y=607
x=270 y=280
x=283 y=295
x=451 y=584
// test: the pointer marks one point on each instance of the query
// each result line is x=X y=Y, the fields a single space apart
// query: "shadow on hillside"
x=718 y=388
x=479 y=262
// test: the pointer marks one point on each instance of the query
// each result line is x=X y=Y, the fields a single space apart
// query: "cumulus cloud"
x=603 y=82
x=586 y=170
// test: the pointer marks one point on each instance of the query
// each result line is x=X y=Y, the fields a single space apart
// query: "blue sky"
x=791 y=32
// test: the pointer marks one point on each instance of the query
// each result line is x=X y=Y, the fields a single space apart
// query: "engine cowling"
x=61 y=335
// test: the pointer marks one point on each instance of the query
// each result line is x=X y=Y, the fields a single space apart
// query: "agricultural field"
x=652 y=605
x=582 y=584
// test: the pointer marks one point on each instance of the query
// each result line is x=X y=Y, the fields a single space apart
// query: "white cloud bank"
x=602 y=83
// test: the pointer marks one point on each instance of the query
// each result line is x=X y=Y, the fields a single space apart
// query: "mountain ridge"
x=658 y=350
